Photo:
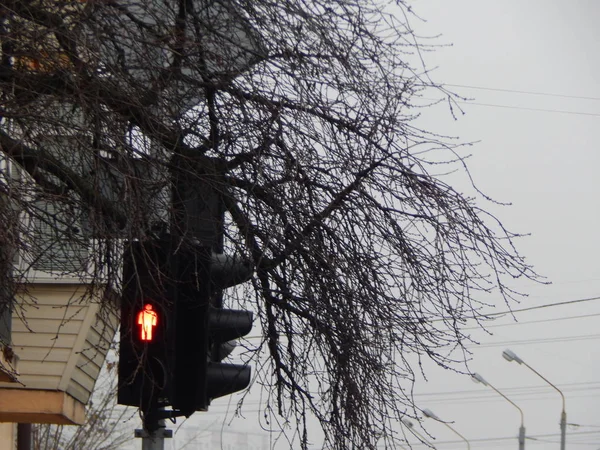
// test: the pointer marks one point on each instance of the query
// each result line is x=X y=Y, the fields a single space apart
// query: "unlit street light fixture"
x=379 y=436
x=411 y=427
x=430 y=414
x=511 y=356
x=479 y=379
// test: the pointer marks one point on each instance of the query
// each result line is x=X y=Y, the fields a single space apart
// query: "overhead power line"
x=528 y=322
x=516 y=91
x=527 y=389
x=524 y=108
x=547 y=305
x=551 y=340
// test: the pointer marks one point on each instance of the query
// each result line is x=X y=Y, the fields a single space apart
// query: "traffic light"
x=146 y=324
x=204 y=330
x=174 y=329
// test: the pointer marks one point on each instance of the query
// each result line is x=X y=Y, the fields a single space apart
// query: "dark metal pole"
x=563 y=429
x=156 y=439
x=24 y=436
x=522 y=438
x=155 y=432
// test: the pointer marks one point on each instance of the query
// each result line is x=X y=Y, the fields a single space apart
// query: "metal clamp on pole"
x=155 y=432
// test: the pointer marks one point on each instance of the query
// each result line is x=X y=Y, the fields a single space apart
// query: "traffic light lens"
x=147 y=319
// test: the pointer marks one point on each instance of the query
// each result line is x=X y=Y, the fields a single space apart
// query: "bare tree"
x=300 y=115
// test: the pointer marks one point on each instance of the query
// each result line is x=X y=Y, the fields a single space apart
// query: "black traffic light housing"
x=204 y=330
x=180 y=363
x=226 y=325
x=146 y=324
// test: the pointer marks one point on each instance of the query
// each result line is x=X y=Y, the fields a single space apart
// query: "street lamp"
x=380 y=435
x=479 y=379
x=511 y=356
x=410 y=426
x=429 y=413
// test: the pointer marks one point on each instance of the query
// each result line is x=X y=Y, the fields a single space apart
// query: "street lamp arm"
x=510 y=356
x=511 y=402
x=547 y=381
x=458 y=434
x=411 y=427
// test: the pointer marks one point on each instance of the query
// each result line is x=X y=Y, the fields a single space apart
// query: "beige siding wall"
x=8 y=436
x=92 y=353
x=61 y=337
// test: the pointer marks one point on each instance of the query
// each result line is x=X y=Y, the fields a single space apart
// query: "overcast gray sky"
x=531 y=69
x=539 y=150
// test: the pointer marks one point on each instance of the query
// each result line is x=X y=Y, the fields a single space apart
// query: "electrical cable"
x=547 y=305
x=515 y=91
x=552 y=340
x=528 y=322
x=524 y=108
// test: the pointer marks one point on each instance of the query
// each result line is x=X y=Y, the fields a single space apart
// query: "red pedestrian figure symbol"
x=148 y=319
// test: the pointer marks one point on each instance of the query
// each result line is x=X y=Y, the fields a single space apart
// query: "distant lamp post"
x=410 y=425
x=479 y=379
x=430 y=414
x=380 y=435
x=511 y=356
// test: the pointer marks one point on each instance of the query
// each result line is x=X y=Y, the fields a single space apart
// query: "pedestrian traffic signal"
x=175 y=332
x=147 y=319
x=145 y=344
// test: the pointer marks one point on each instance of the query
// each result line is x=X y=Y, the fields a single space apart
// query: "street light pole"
x=511 y=356
x=479 y=379
x=429 y=413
